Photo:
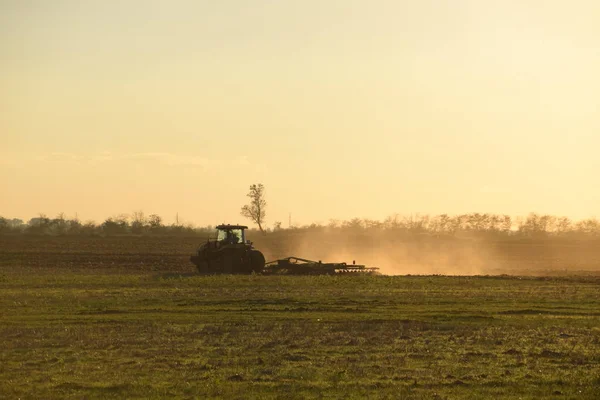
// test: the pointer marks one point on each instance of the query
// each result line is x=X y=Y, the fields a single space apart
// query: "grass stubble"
x=96 y=335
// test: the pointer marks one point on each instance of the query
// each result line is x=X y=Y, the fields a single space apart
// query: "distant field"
x=128 y=318
x=131 y=254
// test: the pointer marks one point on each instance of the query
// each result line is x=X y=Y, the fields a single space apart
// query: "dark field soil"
x=542 y=257
x=120 y=254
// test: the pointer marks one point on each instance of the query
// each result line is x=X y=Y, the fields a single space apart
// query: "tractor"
x=230 y=253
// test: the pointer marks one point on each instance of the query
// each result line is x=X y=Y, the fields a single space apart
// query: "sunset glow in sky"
x=341 y=108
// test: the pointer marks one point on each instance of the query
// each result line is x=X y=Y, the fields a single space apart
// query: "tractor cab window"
x=239 y=235
x=231 y=236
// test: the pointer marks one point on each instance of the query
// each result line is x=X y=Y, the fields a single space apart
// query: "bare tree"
x=255 y=211
x=138 y=222
x=155 y=223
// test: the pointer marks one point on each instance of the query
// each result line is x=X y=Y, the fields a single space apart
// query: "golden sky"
x=341 y=108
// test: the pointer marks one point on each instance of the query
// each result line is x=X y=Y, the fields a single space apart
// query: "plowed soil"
x=134 y=254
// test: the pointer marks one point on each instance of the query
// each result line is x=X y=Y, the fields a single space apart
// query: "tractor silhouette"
x=230 y=253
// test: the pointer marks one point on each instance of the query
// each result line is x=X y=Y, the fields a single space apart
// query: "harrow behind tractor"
x=231 y=253
x=301 y=266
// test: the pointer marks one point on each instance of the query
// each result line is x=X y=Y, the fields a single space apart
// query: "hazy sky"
x=342 y=108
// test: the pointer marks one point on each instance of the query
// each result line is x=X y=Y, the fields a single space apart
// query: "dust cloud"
x=396 y=254
x=392 y=255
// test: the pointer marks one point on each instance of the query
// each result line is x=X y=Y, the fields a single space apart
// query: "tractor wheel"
x=203 y=267
x=257 y=261
x=201 y=263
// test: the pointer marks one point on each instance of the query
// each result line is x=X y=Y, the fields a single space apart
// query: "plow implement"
x=302 y=266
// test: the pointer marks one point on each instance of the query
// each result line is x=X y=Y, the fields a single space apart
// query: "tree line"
x=473 y=224
x=532 y=225
x=136 y=223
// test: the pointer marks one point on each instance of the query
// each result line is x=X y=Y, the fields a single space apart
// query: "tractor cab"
x=231 y=234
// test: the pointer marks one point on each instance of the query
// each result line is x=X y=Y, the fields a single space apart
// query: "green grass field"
x=92 y=334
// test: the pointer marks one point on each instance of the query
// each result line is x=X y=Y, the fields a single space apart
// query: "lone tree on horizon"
x=255 y=211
